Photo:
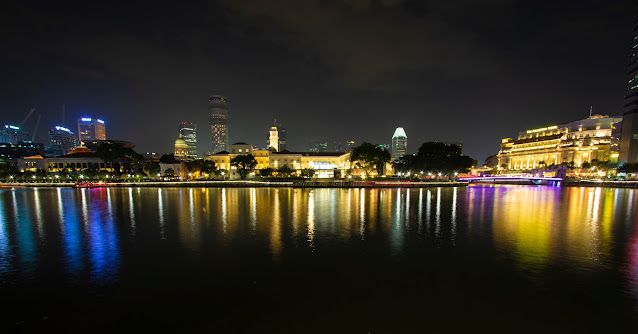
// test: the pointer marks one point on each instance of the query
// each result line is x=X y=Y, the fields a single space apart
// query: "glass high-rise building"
x=218 y=120
x=61 y=141
x=91 y=129
x=188 y=132
x=13 y=135
x=399 y=143
x=629 y=132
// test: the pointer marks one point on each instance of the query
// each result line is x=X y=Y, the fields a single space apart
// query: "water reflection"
x=580 y=229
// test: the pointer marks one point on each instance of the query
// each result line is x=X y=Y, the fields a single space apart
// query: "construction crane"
x=26 y=118
x=35 y=129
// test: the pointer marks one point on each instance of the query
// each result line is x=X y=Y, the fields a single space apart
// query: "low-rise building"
x=325 y=164
x=571 y=143
x=79 y=160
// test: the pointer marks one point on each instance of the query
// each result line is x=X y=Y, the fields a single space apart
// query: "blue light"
x=100 y=121
x=86 y=119
x=61 y=128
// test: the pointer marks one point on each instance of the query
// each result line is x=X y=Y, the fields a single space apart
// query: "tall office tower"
x=13 y=135
x=61 y=141
x=629 y=132
x=282 y=136
x=188 y=132
x=218 y=120
x=399 y=143
x=91 y=129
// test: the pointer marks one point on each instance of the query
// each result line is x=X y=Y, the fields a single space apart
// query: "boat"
x=90 y=184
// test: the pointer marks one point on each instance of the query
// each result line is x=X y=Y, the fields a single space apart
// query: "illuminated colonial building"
x=325 y=164
x=80 y=159
x=273 y=138
x=181 y=147
x=218 y=120
x=576 y=142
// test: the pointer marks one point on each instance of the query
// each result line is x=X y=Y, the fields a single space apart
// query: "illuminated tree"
x=285 y=170
x=308 y=172
x=208 y=167
x=244 y=164
x=370 y=158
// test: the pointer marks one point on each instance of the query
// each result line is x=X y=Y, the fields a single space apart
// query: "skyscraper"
x=218 y=120
x=629 y=133
x=188 y=132
x=91 y=129
x=61 y=140
x=399 y=143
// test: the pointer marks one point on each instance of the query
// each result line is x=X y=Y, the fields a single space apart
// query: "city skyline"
x=268 y=75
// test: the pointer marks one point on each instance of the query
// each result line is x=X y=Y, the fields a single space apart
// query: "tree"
x=7 y=170
x=194 y=166
x=152 y=167
x=110 y=152
x=244 y=163
x=168 y=159
x=266 y=172
x=443 y=158
x=586 y=165
x=169 y=172
x=629 y=168
x=285 y=170
x=370 y=158
x=308 y=172
x=207 y=167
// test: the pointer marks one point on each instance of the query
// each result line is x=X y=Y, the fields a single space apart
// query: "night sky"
x=470 y=71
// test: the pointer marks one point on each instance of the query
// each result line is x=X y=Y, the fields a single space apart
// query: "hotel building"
x=571 y=143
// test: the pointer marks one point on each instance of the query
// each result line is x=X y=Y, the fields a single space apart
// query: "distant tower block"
x=399 y=143
x=188 y=131
x=218 y=120
x=91 y=129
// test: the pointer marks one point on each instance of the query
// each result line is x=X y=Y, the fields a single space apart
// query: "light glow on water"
x=583 y=240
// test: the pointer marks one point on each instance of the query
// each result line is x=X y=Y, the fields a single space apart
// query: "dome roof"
x=180 y=142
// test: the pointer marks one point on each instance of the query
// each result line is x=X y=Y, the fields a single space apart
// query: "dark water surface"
x=505 y=259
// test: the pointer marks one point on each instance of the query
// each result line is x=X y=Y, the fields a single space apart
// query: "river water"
x=495 y=259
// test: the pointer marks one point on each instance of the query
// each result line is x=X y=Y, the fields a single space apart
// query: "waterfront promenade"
x=250 y=183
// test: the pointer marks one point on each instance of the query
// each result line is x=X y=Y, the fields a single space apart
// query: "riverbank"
x=251 y=184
